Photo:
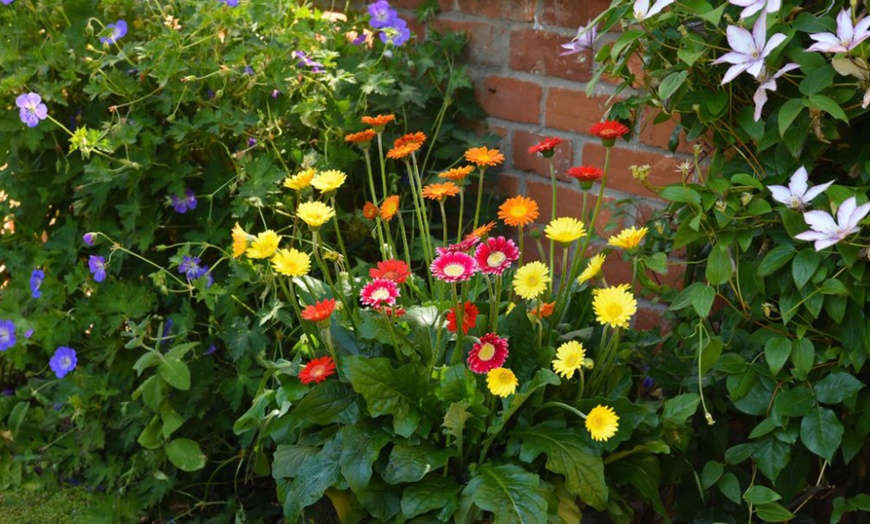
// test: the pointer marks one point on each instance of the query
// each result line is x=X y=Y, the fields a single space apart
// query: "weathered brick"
x=511 y=99
x=650 y=318
x=659 y=135
x=522 y=159
x=663 y=172
x=487 y=43
x=571 y=13
x=571 y=110
x=526 y=46
x=517 y=10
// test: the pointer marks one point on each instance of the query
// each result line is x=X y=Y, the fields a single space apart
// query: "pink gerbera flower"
x=463 y=246
x=496 y=255
x=379 y=292
x=453 y=267
x=489 y=353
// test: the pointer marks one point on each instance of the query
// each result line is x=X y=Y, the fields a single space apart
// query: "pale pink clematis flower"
x=642 y=9
x=749 y=49
x=768 y=83
x=847 y=38
x=753 y=6
x=826 y=232
x=585 y=39
x=798 y=194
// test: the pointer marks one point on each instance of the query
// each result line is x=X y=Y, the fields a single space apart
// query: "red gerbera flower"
x=496 y=255
x=586 y=175
x=546 y=310
x=379 y=292
x=461 y=247
x=392 y=312
x=453 y=267
x=317 y=370
x=490 y=353
x=391 y=269
x=371 y=211
x=608 y=131
x=320 y=311
x=546 y=147
x=469 y=318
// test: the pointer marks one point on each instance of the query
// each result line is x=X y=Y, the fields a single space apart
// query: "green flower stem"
x=396 y=346
x=338 y=233
x=701 y=331
x=553 y=216
x=479 y=197
x=606 y=359
x=383 y=165
x=315 y=248
x=443 y=221
x=461 y=210
x=581 y=383
x=421 y=225
x=424 y=234
x=407 y=250
x=290 y=293
x=456 y=358
x=562 y=405
x=563 y=282
x=495 y=303
x=371 y=180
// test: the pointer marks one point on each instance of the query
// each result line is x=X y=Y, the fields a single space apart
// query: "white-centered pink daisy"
x=453 y=267
x=379 y=292
x=490 y=353
x=463 y=246
x=825 y=231
x=496 y=255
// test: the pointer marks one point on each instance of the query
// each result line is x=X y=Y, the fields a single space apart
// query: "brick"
x=511 y=99
x=658 y=135
x=536 y=52
x=571 y=110
x=571 y=13
x=664 y=167
x=487 y=43
x=569 y=203
x=522 y=159
x=517 y=10
x=650 y=318
x=635 y=66
x=508 y=186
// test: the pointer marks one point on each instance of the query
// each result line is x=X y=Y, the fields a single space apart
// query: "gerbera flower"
x=394 y=312
x=518 y=211
x=315 y=214
x=317 y=370
x=602 y=422
x=440 y=191
x=569 y=358
x=546 y=147
x=362 y=139
x=453 y=267
x=400 y=152
x=586 y=175
x=328 y=181
x=378 y=122
x=483 y=156
x=531 y=280
x=391 y=269
x=628 y=239
x=501 y=382
x=608 y=131
x=389 y=207
x=319 y=311
x=495 y=255
x=264 y=245
x=469 y=318
x=565 y=230
x=457 y=173
x=489 y=353
x=544 y=311
x=370 y=211
x=291 y=262
x=481 y=231
x=300 y=180
x=593 y=268
x=464 y=246
x=240 y=241
x=379 y=292
x=614 y=305
x=410 y=138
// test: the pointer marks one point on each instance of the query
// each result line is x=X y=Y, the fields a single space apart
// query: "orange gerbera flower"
x=410 y=138
x=546 y=310
x=483 y=156
x=320 y=311
x=370 y=211
x=481 y=231
x=363 y=138
x=457 y=173
x=390 y=207
x=391 y=269
x=440 y=191
x=518 y=211
x=378 y=122
x=398 y=153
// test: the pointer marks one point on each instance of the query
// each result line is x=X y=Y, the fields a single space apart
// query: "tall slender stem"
x=553 y=217
x=479 y=198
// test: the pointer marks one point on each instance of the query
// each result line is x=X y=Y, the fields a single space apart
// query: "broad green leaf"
x=827 y=105
x=822 y=432
x=624 y=40
x=773 y=512
x=185 y=454
x=764 y=427
x=776 y=351
x=833 y=286
x=775 y=259
x=431 y=493
x=772 y=456
x=711 y=353
x=361 y=446
x=836 y=387
x=804 y=265
x=658 y=262
x=146 y=360
x=817 y=80
x=719 y=266
x=680 y=193
x=454 y=421
x=150 y=437
x=794 y=402
x=288 y=459
x=171 y=420
x=711 y=474
x=788 y=112
x=410 y=463
x=730 y=487
x=857 y=503
x=671 y=83
x=330 y=402
x=510 y=493
x=702 y=298
x=745 y=179
x=642 y=471
x=680 y=408
x=175 y=372
x=583 y=472
x=316 y=474
x=803 y=355
x=760 y=495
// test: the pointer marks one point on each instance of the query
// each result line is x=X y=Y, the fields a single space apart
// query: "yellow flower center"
x=317 y=372
x=381 y=294
x=572 y=361
x=519 y=211
x=495 y=259
x=532 y=281
x=487 y=351
x=454 y=270
x=615 y=310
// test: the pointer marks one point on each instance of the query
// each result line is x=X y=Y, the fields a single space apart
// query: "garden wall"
x=530 y=92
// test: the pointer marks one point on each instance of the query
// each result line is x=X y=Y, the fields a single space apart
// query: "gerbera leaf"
x=511 y=493
x=329 y=402
x=410 y=463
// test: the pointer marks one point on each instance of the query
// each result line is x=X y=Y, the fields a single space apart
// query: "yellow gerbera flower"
x=264 y=245
x=315 y=214
x=592 y=268
x=300 y=180
x=531 y=280
x=614 y=305
x=240 y=241
x=328 y=181
x=602 y=422
x=569 y=358
x=565 y=230
x=501 y=382
x=628 y=239
x=291 y=262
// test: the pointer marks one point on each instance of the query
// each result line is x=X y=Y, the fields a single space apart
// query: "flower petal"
x=780 y=193
x=820 y=221
x=798 y=182
x=740 y=40
x=815 y=191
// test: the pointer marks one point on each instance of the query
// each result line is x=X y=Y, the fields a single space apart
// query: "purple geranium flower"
x=252 y=141
x=63 y=361
x=396 y=34
x=97 y=265
x=231 y=3
x=753 y=6
x=249 y=70
x=28 y=333
x=382 y=14
x=585 y=39
x=182 y=203
x=89 y=238
x=119 y=29
x=825 y=231
x=847 y=38
x=31 y=109
x=6 y=2
x=190 y=267
x=275 y=93
x=36 y=278
x=305 y=60
x=798 y=193
x=210 y=351
x=7 y=334
x=749 y=49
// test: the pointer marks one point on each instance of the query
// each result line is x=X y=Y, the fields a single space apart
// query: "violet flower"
x=753 y=6
x=768 y=83
x=396 y=34
x=798 y=194
x=97 y=266
x=382 y=15
x=825 y=231
x=182 y=203
x=749 y=49
x=230 y=3
x=6 y=2
x=305 y=60
x=642 y=9
x=31 y=109
x=847 y=38
x=585 y=39
x=119 y=29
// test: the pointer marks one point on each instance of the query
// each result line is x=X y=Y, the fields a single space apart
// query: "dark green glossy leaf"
x=776 y=352
x=836 y=387
x=431 y=493
x=410 y=463
x=185 y=454
x=361 y=446
x=510 y=493
x=822 y=432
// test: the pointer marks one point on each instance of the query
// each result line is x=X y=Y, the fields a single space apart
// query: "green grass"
x=24 y=506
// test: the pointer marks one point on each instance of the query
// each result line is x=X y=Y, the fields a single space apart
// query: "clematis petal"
x=856 y=216
x=772 y=44
x=820 y=221
x=759 y=31
x=732 y=73
x=798 y=182
x=760 y=98
x=844 y=212
x=845 y=29
x=780 y=193
x=815 y=191
x=740 y=40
